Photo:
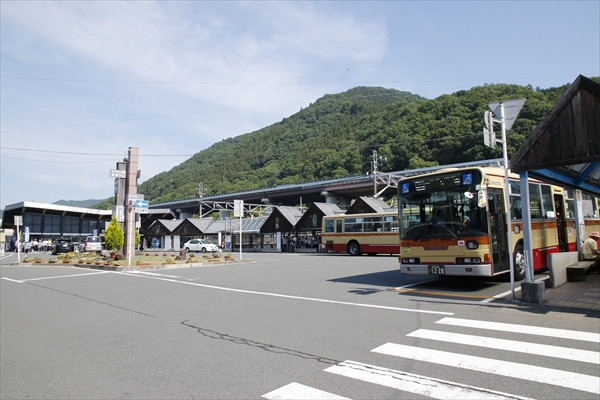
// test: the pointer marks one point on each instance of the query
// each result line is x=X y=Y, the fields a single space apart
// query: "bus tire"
x=354 y=248
x=519 y=263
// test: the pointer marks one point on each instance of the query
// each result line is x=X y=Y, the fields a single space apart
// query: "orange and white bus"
x=356 y=234
x=454 y=222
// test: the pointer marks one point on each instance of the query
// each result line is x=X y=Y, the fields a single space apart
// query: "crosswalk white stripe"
x=530 y=330
x=411 y=383
x=566 y=353
x=555 y=377
x=301 y=392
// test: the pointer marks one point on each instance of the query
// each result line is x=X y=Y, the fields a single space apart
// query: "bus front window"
x=450 y=213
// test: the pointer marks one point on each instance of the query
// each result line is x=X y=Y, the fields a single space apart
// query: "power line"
x=268 y=83
x=57 y=162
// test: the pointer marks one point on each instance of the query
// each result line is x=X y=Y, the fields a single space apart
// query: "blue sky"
x=81 y=82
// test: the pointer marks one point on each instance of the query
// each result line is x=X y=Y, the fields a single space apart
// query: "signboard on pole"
x=117 y=173
x=238 y=208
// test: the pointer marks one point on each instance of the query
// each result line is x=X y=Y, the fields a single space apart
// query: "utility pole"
x=131 y=178
x=200 y=191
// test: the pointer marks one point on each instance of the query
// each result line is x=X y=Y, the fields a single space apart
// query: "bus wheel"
x=519 y=263
x=354 y=249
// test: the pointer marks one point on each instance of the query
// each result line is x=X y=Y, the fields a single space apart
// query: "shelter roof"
x=249 y=225
x=313 y=217
x=369 y=205
x=292 y=214
x=168 y=225
x=327 y=208
x=565 y=147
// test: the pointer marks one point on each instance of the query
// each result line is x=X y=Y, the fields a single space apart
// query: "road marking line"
x=443 y=294
x=288 y=296
x=153 y=274
x=565 y=353
x=417 y=384
x=571 y=380
x=65 y=276
x=412 y=284
x=301 y=392
x=11 y=280
x=499 y=296
x=530 y=330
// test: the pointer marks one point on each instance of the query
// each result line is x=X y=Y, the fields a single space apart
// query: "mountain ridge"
x=335 y=137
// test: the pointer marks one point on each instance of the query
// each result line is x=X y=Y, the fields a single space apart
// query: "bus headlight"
x=411 y=260
x=468 y=260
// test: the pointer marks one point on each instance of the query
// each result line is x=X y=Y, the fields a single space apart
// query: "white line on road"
x=571 y=380
x=416 y=384
x=153 y=274
x=530 y=330
x=301 y=392
x=288 y=296
x=65 y=276
x=12 y=280
x=499 y=296
x=565 y=353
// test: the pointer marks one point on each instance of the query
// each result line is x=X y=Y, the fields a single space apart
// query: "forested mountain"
x=336 y=136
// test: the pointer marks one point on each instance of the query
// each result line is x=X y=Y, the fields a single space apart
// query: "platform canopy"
x=565 y=147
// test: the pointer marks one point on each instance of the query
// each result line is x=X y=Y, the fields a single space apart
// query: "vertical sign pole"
x=18 y=246
x=507 y=197
x=238 y=211
x=130 y=211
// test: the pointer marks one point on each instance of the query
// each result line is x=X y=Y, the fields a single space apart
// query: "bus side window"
x=329 y=225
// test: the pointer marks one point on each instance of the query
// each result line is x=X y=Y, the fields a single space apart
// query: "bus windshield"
x=449 y=212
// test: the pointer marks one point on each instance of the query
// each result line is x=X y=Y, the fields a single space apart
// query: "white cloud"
x=243 y=66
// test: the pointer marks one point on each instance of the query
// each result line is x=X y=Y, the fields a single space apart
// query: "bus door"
x=498 y=238
x=561 y=226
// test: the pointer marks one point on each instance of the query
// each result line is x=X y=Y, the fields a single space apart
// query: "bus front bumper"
x=449 y=269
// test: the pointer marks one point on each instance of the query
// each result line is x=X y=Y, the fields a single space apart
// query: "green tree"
x=114 y=236
x=137 y=238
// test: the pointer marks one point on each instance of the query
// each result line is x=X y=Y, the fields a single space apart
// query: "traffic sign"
x=512 y=108
x=141 y=205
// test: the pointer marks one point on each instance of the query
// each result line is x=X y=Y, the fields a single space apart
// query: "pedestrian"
x=589 y=250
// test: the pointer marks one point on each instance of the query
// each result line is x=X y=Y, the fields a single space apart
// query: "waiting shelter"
x=565 y=150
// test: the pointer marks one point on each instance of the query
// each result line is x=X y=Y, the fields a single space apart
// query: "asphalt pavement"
x=284 y=326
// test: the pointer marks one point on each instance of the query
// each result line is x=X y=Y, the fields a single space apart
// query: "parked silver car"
x=90 y=243
x=202 y=245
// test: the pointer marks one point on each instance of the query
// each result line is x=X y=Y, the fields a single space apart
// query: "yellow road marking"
x=439 y=293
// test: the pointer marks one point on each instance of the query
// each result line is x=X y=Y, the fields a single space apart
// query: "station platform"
x=581 y=295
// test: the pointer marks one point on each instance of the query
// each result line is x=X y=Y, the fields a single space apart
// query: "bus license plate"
x=436 y=269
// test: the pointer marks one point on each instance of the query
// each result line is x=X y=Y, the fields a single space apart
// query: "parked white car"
x=202 y=245
x=90 y=243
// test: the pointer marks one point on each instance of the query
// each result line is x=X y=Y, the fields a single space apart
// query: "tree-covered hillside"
x=336 y=136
